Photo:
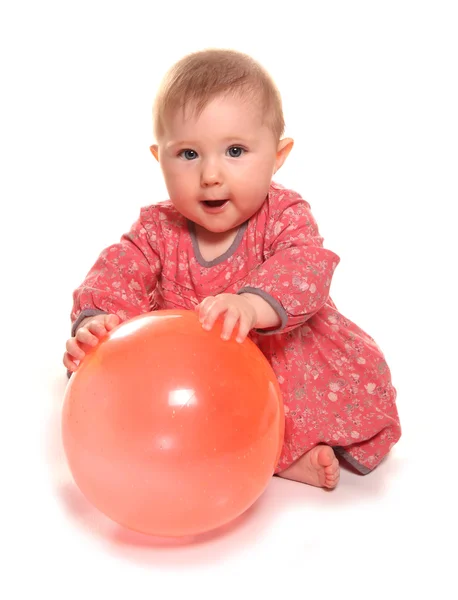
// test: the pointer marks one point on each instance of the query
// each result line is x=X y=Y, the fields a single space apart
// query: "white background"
x=370 y=97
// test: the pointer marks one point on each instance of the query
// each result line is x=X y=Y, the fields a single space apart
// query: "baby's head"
x=200 y=77
x=218 y=122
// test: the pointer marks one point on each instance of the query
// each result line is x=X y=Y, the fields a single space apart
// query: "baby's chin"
x=216 y=228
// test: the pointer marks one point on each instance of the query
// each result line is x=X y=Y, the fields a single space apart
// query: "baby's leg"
x=319 y=466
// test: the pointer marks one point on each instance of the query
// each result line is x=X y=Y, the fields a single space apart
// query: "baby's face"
x=218 y=166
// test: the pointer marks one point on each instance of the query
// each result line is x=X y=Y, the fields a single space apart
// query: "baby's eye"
x=235 y=151
x=188 y=154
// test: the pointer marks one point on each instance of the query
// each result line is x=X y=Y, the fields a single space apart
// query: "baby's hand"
x=236 y=310
x=88 y=335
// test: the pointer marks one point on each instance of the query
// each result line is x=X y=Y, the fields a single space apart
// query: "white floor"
x=376 y=134
x=391 y=533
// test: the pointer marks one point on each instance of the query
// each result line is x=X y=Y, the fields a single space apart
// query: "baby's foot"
x=318 y=467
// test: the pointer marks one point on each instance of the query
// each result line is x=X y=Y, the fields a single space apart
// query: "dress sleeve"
x=296 y=274
x=124 y=276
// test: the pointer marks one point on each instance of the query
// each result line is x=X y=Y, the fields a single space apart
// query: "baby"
x=233 y=245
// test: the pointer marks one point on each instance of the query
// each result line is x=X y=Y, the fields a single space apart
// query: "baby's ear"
x=283 y=149
x=155 y=151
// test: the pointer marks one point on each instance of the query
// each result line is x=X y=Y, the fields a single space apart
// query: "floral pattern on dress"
x=335 y=382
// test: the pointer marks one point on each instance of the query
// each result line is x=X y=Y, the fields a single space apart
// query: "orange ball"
x=168 y=429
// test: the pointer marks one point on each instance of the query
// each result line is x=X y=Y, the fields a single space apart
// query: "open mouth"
x=214 y=207
x=214 y=203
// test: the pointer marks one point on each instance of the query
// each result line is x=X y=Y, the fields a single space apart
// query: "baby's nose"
x=211 y=174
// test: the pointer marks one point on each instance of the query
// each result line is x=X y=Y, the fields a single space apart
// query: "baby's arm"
x=118 y=287
x=266 y=316
x=123 y=278
x=296 y=275
x=290 y=286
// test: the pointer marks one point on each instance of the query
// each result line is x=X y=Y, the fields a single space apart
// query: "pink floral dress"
x=336 y=385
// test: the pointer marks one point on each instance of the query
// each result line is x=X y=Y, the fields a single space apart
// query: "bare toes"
x=325 y=456
x=332 y=474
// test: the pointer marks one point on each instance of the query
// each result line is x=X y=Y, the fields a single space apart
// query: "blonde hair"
x=200 y=77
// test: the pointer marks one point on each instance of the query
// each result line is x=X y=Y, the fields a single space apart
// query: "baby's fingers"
x=204 y=307
x=210 y=309
x=74 y=350
x=230 y=321
x=97 y=328
x=100 y=327
x=69 y=363
x=244 y=329
x=111 y=321
x=84 y=335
